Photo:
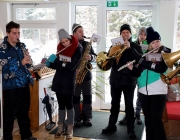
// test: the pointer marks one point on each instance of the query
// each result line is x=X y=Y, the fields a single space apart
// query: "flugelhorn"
x=122 y=67
x=166 y=78
x=170 y=58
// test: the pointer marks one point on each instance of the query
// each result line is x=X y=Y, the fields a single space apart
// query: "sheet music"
x=96 y=38
x=118 y=40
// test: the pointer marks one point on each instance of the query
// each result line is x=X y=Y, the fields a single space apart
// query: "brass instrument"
x=104 y=61
x=171 y=58
x=122 y=67
x=84 y=65
x=166 y=78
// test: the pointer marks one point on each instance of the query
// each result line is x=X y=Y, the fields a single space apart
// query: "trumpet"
x=122 y=67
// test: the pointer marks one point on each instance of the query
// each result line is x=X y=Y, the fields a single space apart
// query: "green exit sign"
x=112 y=3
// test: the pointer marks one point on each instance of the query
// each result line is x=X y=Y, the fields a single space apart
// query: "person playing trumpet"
x=125 y=82
x=152 y=90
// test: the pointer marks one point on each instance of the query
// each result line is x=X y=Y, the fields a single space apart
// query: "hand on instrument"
x=130 y=65
x=77 y=71
x=26 y=52
x=51 y=58
x=26 y=60
x=127 y=44
x=87 y=57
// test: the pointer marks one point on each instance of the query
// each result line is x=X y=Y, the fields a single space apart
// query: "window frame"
x=15 y=6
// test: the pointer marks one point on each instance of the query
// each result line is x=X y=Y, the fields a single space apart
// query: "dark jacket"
x=149 y=75
x=14 y=74
x=124 y=77
x=64 y=78
x=93 y=57
x=161 y=67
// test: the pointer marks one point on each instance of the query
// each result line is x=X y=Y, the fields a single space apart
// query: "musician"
x=125 y=82
x=152 y=91
x=15 y=83
x=85 y=88
x=142 y=34
x=64 y=79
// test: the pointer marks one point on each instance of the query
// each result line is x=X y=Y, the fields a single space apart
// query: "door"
x=113 y=19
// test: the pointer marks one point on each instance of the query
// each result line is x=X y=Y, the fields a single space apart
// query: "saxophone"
x=84 y=66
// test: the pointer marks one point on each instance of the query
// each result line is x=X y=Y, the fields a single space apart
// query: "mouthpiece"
x=86 y=37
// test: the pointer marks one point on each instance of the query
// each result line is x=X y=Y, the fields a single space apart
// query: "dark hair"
x=11 y=25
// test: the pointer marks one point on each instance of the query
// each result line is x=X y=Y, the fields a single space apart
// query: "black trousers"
x=153 y=107
x=16 y=103
x=138 y=105
x=64 y=101
x=86 y=90
x=116 y=93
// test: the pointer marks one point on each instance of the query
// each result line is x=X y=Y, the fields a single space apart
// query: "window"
x=115 y=18
x=178 y=31
x=86 y=16
x=41 y=42
x=38 y=29
x=35 y=14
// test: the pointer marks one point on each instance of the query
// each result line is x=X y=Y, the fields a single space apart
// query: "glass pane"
x=116 y=18
x=35 y=14
x=178 y=32
x=86 y=16
x=40 y=42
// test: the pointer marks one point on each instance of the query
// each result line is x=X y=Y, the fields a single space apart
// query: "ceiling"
x=69 y=0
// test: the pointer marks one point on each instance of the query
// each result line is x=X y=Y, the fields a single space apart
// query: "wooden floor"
x=41 y=134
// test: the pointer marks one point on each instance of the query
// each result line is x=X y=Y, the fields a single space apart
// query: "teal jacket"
x=149 y=81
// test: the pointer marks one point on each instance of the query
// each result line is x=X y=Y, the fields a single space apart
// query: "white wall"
x=6 y=15
x=168 y=22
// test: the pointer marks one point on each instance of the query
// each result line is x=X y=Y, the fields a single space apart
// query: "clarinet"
x=31 y=64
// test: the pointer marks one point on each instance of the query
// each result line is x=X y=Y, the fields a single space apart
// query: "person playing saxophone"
x=85 y=87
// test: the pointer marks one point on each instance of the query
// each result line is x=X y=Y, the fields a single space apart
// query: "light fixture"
x=1 y=35
x=47 y=0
